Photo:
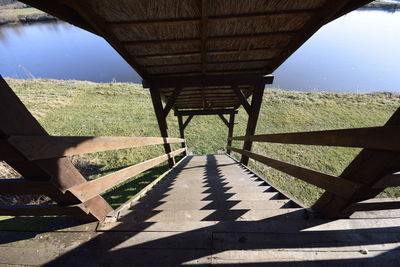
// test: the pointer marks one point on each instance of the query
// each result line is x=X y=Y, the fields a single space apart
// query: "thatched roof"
x=175 y=38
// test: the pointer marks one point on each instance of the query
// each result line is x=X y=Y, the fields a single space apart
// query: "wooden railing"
x=38 y=149
x=374 y=169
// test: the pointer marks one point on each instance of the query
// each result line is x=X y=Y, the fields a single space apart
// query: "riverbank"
x=23 y=15
x=125 y=109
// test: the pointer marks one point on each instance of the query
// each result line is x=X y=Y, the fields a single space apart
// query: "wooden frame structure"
x=42 y=161
x=199 y=57
x=374 y=169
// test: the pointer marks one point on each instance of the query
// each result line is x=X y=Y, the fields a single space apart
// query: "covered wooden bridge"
x=201 y=57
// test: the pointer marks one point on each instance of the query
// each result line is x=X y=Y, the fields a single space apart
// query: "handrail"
x=45 y=147
x=88 y=190
x=336 y=185
x=384 y=138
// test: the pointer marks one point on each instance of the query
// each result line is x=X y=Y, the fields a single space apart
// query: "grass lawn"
x=122 y=109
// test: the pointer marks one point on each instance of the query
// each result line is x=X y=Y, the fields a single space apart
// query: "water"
x=356 y=53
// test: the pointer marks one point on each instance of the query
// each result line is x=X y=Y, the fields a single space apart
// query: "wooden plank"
x=161 y=120
x=172 y=100
x=224 y=120
x=92 y=188
x=339 y=187
x=187 y=121
x=204 y=34
x=368 y=167
x=208 y=80
x=7 y=152
x=385 y=138
x=230 y=131
x=23 y=186
x=39 y=210
x=242 y=98
x=253 y=118
x=45 y=147
x=389 y=180
x=60 y=171
x=205 y=112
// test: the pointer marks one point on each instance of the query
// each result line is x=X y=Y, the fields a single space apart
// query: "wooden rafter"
x=187 y=121
x=171 y=100
x=242 y=98
x=224 y=120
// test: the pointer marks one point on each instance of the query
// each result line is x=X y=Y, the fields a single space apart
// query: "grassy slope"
x=85 y=108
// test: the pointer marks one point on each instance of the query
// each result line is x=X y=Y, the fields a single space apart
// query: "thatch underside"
x=175 y=38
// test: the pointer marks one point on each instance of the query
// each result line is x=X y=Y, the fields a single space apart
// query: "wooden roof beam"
x=208 y=80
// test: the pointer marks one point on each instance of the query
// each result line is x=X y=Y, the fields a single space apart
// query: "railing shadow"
x=282 y=240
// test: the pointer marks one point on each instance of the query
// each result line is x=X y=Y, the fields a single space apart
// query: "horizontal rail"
x=91 y=189
x=335 y=185
x=23 y=186
x=46 y=147
x=385 y=138
x=7 y=152
x=389 y=180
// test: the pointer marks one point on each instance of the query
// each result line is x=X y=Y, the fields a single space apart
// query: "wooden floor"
x=212 y=211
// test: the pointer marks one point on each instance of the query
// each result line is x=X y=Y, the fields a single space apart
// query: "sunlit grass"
x=122 y=109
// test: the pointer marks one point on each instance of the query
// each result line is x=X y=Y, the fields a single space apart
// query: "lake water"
x=356 y=53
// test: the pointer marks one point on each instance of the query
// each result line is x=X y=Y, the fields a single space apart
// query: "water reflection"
x=358 y=52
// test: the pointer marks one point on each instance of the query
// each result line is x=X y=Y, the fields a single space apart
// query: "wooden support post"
x=162 y=122
x=182 y=131
x=253 y=118
x=230 y=132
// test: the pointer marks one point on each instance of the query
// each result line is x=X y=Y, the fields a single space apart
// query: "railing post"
x=253 y=118
x=230 y=131
x=182 y=131
x=162 y=122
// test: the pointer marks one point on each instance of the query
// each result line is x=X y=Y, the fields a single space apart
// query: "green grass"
x=122 y=109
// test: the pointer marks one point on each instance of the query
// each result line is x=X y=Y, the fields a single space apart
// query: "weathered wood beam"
x=172 y=100
x=389 y=180
x=182 y=131
x=209 y=80
x=230 y=132
x=46 y=147
x=385 y=138
x=21 y=186
x=187 y=121
x=253 y=118
x=169 y=55
x=92 y=188
x=7 y=152
x=335 y=185
x=204 y=35
x=205 y=112
x=162 y=122
x=224 y=120
x=368 y=168
x=60 y=171
x=242 y=98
